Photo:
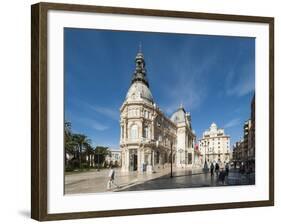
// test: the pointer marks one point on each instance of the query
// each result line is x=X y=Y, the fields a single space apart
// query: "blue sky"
x=213 y=76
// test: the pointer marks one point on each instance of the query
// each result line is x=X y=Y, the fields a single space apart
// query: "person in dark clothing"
x=222 y=176
x=212 y=169
x=226 y=169
x=217 y=169
x=242 y=168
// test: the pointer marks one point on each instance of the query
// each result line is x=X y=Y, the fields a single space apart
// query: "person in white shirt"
x=111 y=176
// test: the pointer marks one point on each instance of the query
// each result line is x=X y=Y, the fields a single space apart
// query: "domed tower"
x=139 y=89
x=136 y=119
x=148 y=139
x=185 y=138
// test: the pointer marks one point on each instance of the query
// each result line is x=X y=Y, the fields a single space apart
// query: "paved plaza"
x=185 y=180
x=96 y=181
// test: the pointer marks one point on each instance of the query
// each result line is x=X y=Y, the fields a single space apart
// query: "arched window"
x=134 y=131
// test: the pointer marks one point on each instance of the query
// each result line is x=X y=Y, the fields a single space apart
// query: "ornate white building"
x=215 y=145
x=149 y=140
x=114 y=157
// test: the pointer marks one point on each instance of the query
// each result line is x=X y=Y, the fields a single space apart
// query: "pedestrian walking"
x=212 y=169
x=222 y=167
x=217 y=168
x=111 y=176
x=226 y=169
x=242 y=168
x=222 y=176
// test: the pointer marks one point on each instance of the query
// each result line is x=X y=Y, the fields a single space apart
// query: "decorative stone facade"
x=215 y=145
x=149 y=140
x=244 y=150
x=114 y=157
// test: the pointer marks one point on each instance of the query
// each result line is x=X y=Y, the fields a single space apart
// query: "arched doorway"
x=133 y=165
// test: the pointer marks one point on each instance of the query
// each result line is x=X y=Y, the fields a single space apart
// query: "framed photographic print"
x=139 y=111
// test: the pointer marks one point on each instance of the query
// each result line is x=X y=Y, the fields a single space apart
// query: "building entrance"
x=133 y=160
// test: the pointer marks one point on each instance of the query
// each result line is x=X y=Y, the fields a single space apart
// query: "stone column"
x=125 y=126
x=127 y=160
x=149 y=167
x=139 y=160
x=153 y=158
x=152 y=130
x=123 y=160
x=142 y=158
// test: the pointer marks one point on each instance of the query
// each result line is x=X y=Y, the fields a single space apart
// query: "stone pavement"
x=185 y=180
x=96 y=181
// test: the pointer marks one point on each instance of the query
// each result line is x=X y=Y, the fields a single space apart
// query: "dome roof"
x=139 y=90
x=178 y=116
x=213 y=127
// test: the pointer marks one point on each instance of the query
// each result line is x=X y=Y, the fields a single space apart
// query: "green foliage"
x=100 y=153
x=69 y=169
x=79 y=147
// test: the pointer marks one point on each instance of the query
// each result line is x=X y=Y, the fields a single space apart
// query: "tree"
x=69 y=145
x=81 y=142
x=100 y=153
x=89 y=150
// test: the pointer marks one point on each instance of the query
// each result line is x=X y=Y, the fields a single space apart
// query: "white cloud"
x=109 y=112
x=242 y=86
x=232 y=123
x=98 y=126
x=190 y=87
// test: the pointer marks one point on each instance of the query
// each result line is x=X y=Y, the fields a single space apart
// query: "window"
x=134 y=131
x=145 y=132
x=189 y=158
x=145 y=114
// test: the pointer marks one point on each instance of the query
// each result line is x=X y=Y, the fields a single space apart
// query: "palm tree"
x=69 y=144
x=81 y=141
x=100 y=153
x=89 y=152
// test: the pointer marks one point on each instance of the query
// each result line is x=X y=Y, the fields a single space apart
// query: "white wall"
x=15 y=110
